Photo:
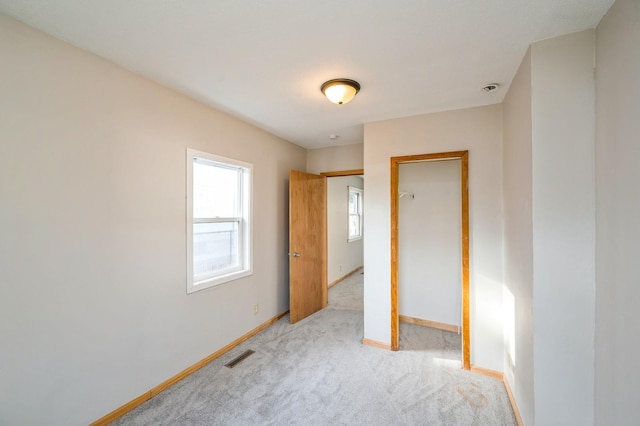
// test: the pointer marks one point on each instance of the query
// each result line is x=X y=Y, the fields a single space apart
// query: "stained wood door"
x=307 y=244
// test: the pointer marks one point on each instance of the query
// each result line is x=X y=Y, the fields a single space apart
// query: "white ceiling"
x=264 y=61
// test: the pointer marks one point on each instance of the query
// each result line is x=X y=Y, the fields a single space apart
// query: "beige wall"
x=549 y=199
x=617 y=347
x=429 y=241
x=478 y=130
x=336 y=158
x=518 y=240
x=563 y=216
x=93 y=303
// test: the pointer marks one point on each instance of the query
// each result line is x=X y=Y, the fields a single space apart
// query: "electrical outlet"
x=255 y=309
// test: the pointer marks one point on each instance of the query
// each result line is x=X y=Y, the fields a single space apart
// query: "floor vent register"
x=237 y=360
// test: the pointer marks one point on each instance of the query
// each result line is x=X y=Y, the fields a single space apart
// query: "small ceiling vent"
x=491 y=87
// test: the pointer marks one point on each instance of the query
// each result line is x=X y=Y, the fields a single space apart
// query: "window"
x=218 y=220
x=355 y=213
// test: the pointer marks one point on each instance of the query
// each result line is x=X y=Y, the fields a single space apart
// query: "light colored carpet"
x=317 y=372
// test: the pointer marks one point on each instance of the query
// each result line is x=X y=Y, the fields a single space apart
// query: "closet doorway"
x=459 y=160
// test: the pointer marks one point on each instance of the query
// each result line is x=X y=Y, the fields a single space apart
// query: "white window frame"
x=245 y=234
x=360 y=192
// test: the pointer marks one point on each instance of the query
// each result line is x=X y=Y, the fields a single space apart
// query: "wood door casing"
x=463 y=156
x=308 y=238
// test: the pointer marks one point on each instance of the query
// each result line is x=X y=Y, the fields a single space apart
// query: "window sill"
x=212 y=282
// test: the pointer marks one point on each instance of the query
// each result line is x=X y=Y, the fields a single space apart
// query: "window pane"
x=215 y=191
x=215 y=247
x=353 y=202
x=354 y=225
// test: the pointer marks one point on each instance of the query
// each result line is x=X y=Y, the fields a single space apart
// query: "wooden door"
x=307 y=244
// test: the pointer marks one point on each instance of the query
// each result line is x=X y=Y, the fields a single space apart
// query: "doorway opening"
x=308 y=242
x=345 y=233
x=464 y=243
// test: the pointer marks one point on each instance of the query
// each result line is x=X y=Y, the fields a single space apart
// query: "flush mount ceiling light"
x=340 y=90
